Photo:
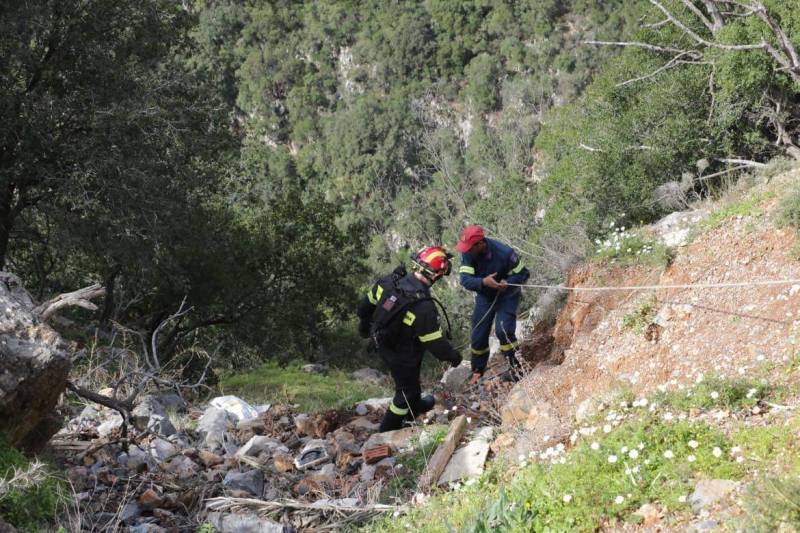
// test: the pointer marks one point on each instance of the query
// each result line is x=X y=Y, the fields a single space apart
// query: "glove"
x=364 y=327
x=456 y=362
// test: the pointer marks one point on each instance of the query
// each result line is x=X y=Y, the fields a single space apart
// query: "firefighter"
x=487 y=268
x=399 y=313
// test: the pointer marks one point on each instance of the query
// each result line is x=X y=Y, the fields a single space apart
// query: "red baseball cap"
x=469 y=237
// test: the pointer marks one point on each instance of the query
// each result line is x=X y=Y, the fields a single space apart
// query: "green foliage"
x=746 y=207
x=32 y=508
x=409 y=467
x=717 y=392
x=773 y=504
x=642 y=316
x=272 y=383
x=588 y=489
x=789 y=209
x=206 y=528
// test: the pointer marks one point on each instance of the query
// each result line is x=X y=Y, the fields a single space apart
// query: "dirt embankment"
x=730 y=332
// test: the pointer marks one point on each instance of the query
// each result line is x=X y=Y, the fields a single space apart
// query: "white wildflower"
x=595 y=445
x=567 y=498
x=612 y=459
x=619 y=500
x=691 y=458
x=633 y=454
x=693 y=444
x=716 y=452
x=668 y=454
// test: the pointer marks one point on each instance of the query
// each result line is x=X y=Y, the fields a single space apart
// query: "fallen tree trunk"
x=80 y=298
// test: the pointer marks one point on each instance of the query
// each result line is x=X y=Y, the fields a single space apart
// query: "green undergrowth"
x=732 y=394
x=627 y=249
x=34 y=507
x=643 y=461
x=405 y=478
x=651 y=458
x=642 y=316
x=271 y=383
x=748 y=206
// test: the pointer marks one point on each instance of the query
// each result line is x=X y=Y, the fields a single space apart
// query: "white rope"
x=760 y=283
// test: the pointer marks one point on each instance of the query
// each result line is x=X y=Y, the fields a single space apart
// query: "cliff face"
x=33 y=369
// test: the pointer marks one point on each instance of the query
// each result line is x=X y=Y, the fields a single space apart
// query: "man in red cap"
x=487 y=268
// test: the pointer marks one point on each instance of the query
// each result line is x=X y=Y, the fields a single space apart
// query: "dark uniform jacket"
x=499 y=258
x=415 y=329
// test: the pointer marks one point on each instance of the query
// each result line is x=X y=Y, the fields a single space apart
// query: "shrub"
x=34 y=498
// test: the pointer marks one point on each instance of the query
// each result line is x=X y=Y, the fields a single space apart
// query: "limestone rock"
x=251 y=481
x=149 y=414
x=212 y=427
x=34 y=366
x=370 y=375
x=243 y=523
x=455 y=379
x=314 y=369
x=468 y=461
x=709 y=491
x=236 y=407
x=260 y=444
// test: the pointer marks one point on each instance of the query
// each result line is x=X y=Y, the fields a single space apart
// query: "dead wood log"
x=443 y=453
x=80 y=298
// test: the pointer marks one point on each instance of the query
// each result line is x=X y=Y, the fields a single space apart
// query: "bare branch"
x=80 y=298
x=647 y=46
x=675 y=61
x=699 y=14
x=745 y=162
x=718 y=20
x=688 y=31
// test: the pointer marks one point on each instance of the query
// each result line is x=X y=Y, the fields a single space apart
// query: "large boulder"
x=34 y=366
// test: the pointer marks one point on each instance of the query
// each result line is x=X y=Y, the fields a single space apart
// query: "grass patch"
x=32 y=502
x=773 y=505
x=745 y=207
x=598 y=482
x=403 y=484
x=641 y=317
x=626 y=249
x=271 y=383
x=717 y=392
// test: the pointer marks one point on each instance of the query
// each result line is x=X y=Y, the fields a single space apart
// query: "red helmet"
x=433 y=262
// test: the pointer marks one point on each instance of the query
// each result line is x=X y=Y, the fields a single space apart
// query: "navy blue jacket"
x=499 y=258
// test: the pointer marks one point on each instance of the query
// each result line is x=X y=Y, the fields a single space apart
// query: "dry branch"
x=80 y=298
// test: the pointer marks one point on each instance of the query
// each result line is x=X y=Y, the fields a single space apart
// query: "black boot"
x=391 y=422
x=424 y=405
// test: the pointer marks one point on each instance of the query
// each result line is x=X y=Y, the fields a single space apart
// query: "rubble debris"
x=313 y=454
x=251 y=481
x=373 y=455
x=235 y=406
x=468 y=461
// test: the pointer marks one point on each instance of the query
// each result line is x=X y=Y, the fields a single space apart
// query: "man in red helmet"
x=489 y=268
x=399 y=313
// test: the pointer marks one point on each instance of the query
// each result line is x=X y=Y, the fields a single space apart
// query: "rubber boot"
x=425 y=404
x=391 y=422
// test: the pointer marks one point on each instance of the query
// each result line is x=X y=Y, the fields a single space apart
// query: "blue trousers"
x=503 y=312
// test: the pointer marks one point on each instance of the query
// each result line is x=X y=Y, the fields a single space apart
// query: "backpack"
x=395 y=302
